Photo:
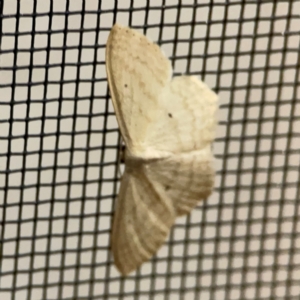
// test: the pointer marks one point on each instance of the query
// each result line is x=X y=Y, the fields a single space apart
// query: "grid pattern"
x=59 y=146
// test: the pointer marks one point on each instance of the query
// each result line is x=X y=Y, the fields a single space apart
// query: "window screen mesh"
x=59 y=140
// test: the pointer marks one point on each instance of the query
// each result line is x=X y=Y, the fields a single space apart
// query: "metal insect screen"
x=59 y=142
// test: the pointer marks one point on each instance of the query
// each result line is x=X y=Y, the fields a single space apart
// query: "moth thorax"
x=133 y=162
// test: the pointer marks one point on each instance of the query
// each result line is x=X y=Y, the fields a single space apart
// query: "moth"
x=168 y=125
